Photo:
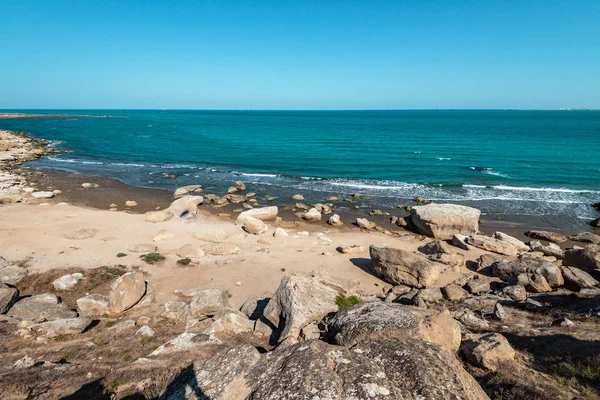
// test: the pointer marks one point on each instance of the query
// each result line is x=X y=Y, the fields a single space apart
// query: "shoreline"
x=114 y=191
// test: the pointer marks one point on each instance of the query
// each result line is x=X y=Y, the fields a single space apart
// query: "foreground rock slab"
x=398 y=266
x=373 y=369
x=444 y=220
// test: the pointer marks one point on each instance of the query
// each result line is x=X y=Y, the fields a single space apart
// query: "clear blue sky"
x=299 y=54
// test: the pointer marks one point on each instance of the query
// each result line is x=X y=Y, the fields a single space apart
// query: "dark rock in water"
x=587 y=259
x=586 y=237
x=373 y=369
x=545 y=235
x=596 y=206
x=596 y=223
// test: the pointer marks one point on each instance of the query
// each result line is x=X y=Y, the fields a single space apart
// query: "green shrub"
x=152 y=258
x=343 y=301
x=184 y=261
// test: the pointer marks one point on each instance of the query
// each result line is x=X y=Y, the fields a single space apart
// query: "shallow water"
x=530 y=163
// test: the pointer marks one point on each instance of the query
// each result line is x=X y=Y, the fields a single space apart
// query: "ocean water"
x=530 y=163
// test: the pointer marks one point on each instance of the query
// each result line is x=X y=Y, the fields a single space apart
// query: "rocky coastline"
x=266 y=302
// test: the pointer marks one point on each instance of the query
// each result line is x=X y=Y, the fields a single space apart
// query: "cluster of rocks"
x=43 y=316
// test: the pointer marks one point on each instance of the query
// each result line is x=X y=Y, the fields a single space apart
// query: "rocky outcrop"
x=489 y=350
x=373 y=369
x=545 y=235
x=40 y=308
x=208 y=302
x=398 y=266
x=302 y=299
x=126 y=291
x=494 y=245
x=509 y=270
x=379 y=320
x=587 y=259
x=93 y=305
x=443 y=220
x=550 y=249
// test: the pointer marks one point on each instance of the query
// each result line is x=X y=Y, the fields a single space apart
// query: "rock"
x=460 y=241
x=280 y=232
x=221 y=249
x=145 y=331
x=493 y=245
x=42 y=195
x=312 y=215
x=532 y=305
x=352 y=325
x=207 y=302
x=334 y=220
x=254 y=308
x=12 y=274
x=351 y=249
x=263 y=213
x=298 y=197
x=518 y=244
x=435 y=247
x=231 y=189
x=212 y=235
x=158 y=216
x=454 y=260
x=587 y=259
x=562 y=322
x=304 y=298
x=470 y=320
x=430 y=294
x=537 y=284
x=65 y=326
x=489 y=350
x=576 y=279
x=126 y=291
x=186 y=207
x=374 y=369
x=24 y=362
x=239 y=185
x=230 y=321
x=364 y=223
x=595 y=223
x=130 y=203
x=478 y=286
x=163 y=234
x=82 y=234
x=545 y=235
x=93 y=305
x=67 y=282
x=515 y=292
x=454 y=292
x=88 y=185
x=190 y=251
x=8 y=296
x=142 y=248
x=586 y=237
x=398 y=266
x=39 y=308
x=254 y=225
x=508 y=270
x=175 y=310
x=499 y=312
x=549 y=250
x=444 y=220
x=185 y=190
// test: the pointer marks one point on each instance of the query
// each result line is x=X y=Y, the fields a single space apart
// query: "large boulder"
x=494 y=245
x=93 y=305
x=489 y=350
x=304 y=298
x=399 y=266
x=546 y=235
x=577 y=279
x=39 y=308
x=312 y=215
x=66 y=326
x=509 y=270
x=374 y=369
x=586 y=237
x=263 y=213
x=8 y=296
x=379 y=320
x=254 y=225
x=443 y=220
x=12 y=274
x=518 y=244
x=186 y=207
x=126 y=291
x=587 y=259
x=208 y=302
x=550 y=249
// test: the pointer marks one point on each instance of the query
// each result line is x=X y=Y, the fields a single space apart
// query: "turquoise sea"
x=530 y=163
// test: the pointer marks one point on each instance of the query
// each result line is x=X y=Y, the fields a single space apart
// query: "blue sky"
x=299 y=54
